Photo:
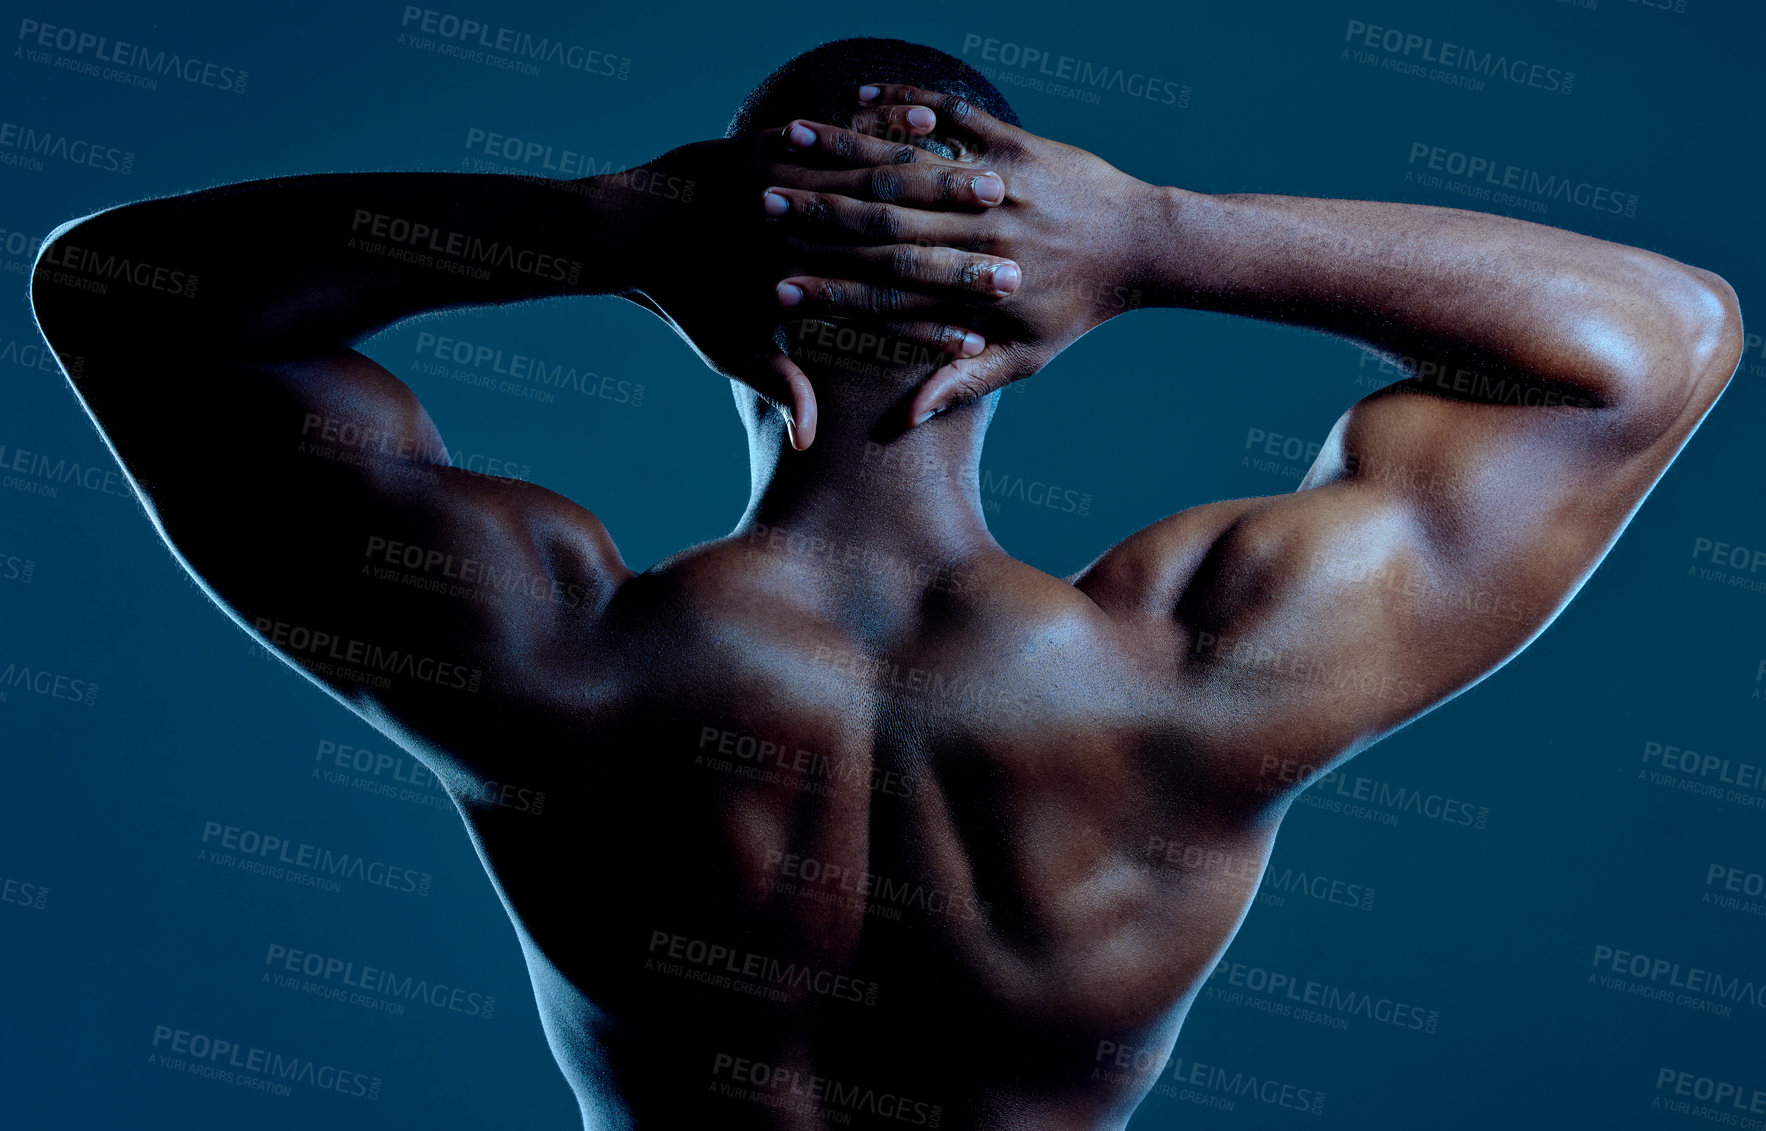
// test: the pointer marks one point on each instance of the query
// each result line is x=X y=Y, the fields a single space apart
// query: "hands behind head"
x=999 y=256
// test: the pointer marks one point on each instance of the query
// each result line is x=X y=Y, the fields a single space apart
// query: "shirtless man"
x=893 y=787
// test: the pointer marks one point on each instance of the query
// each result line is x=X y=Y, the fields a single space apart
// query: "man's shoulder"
x=1147 y=573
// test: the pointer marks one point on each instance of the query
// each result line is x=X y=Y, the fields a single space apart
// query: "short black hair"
x=822 y=83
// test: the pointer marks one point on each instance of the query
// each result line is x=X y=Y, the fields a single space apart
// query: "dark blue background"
x=1494 y=928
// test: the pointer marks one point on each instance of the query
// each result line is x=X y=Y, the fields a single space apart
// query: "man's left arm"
x=305 y=484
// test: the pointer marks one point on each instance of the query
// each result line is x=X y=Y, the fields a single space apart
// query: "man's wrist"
x=610 y=222
x=631 y=212
x=1157 y=257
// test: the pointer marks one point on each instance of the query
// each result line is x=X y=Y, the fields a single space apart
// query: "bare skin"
x=854 y=755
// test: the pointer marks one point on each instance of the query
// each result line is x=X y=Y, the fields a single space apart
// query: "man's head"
x=858 y=369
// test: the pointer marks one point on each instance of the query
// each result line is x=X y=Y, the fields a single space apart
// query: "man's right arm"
x=1449 y=517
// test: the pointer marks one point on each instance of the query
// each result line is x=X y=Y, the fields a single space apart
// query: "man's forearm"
x=1452 y=290
x=297 y=265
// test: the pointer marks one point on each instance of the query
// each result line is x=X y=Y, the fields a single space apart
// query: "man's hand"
x=1076 y=227
x=701 y=224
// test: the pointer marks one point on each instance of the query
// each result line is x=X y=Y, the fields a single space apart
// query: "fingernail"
x=775 y=204
x=989 y=188
x=790 y=294
x=1006 y=278
x=972 y=344
x=921 y=118
x=869 y=94
x=800 y=135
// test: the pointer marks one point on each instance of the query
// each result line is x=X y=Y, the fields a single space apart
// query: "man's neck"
x=915 y=493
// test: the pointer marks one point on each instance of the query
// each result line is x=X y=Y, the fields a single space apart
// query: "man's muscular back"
x=832 y=819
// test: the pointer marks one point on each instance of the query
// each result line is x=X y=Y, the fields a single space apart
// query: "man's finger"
x=942 y=268
x=954 y=112
x=846 y=342
x=958 y=341
x=927 y=183
x=895 y=123
x=808 y=295
x=965 y=379
x=833 y=146
x=841 y=219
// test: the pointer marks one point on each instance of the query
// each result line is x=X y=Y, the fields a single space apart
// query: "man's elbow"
x=1680 y=350
x=56 y=295
x=1717 y=340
